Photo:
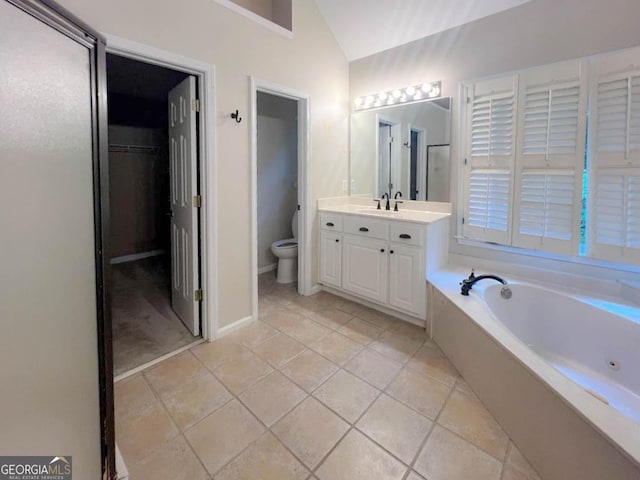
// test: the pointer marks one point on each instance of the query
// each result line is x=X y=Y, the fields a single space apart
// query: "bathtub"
x=594 y=343
x=560 y=372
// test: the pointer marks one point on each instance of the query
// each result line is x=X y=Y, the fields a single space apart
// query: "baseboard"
x=317 y=288
x=394 y=313
x=136 y=256
x=227 y=329
x=267 y=268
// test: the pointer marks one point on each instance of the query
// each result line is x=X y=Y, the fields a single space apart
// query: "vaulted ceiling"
x=365 y=27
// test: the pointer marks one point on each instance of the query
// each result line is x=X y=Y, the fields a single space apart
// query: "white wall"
x=277 y=172
x=536 y=33
x=310 y=62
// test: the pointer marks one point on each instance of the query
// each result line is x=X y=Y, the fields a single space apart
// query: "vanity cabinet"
x=380 y=260
x=331 y=258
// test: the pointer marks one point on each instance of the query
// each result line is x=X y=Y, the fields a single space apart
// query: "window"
x=530 y=180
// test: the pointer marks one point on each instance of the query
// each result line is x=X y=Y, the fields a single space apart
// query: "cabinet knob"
x=382 y=250
x=363 y=229
x=337 y=240
x=329 y=224
x=405 y=235
x=390 y=251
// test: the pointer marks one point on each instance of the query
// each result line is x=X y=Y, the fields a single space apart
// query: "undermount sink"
x=375 y=211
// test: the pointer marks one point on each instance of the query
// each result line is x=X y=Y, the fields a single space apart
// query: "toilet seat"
x=286 y=243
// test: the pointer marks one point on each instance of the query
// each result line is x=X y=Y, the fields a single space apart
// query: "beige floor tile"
x=346 y=395
x=272 y=397
x=196 y=399
x=516 y=467
x=337 y=348
x=430 y=360
x=169 y=375
x=279 y=349
x=174 y=460
x=358 y=458
x=396 y=346
x=306 y=331
x=132 y=395
x=331 y=318
x=360 y=331
x=242 y=371
x=380 y=319
x=410 y=330
x=374 y=368
x=266 y=459
x=414 y=476
x=218 y=352
x=253 y=334
x=306 y=306
x=223 y=435
x=464 y=387
x=347 y=305
x=310 y=431
x=448 y=457
x=396 y=427
x=309 y=370
x=141 y=434
x=282 y=318
x=468 y=418
x=423 y=394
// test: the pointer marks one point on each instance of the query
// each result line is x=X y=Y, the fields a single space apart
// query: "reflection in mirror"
x=402 y=149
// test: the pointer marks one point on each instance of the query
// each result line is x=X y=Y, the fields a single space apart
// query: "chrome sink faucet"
x=468 y=283
x=387 y=206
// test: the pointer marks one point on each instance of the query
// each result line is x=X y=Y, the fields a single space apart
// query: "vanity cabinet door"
x=365 y=265
x=407 y=286
x=331 y=259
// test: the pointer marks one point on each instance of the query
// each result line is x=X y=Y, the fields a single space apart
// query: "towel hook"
x=236 y=116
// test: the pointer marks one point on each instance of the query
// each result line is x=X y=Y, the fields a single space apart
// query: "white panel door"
x=331 y=259
x=183 y=157
x=407 y=287
x=365 y=265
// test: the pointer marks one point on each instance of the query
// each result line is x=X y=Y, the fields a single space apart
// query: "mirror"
x=403 y=148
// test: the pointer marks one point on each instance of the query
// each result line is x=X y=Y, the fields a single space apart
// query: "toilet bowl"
x=287 y=252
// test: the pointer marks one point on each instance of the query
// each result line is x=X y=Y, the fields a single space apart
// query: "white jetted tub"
x=594 y=343
x=559 y=371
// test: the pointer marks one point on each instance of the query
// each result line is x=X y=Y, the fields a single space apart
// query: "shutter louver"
x=489 y=199
x=616 y=213
x=612 y=116
x=546 y=204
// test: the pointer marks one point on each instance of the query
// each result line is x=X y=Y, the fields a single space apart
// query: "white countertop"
x=403 y=215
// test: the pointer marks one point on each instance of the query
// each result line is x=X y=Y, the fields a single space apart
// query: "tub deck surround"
x=382 y=256
x=622 y=432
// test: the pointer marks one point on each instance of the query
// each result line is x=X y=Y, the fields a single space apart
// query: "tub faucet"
x=386 y=205
x=468 y=283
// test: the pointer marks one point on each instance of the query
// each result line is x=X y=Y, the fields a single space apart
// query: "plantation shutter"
x=550 y=158
x=489 y=160
x=614 y=170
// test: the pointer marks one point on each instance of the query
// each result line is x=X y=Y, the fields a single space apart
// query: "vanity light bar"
x=412 y=93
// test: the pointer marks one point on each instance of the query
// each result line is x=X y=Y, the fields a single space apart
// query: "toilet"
x=287 y=252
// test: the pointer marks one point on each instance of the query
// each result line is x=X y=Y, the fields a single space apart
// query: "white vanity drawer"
x=368 y=227
x=407 y=233
x=331 y=221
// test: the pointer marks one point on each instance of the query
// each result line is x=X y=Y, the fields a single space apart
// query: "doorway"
x=287 y=111
x=154 y=201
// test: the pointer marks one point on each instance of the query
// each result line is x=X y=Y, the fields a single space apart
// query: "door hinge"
x=463 y=220
x=390 y=139
x=197 y=201
x=465 y=161
x=298 y=207
x=195 y=104
x=197 y=295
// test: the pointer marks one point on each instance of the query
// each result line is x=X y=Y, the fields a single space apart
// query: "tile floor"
x=144 y=325
x=318 y=388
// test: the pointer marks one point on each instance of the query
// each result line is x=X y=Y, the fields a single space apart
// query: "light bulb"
x=426 y=87
x=410 y=91
x=359 y=101
x=396 y=93
x=435 y=92
x=369 y=100
x=382 y=96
